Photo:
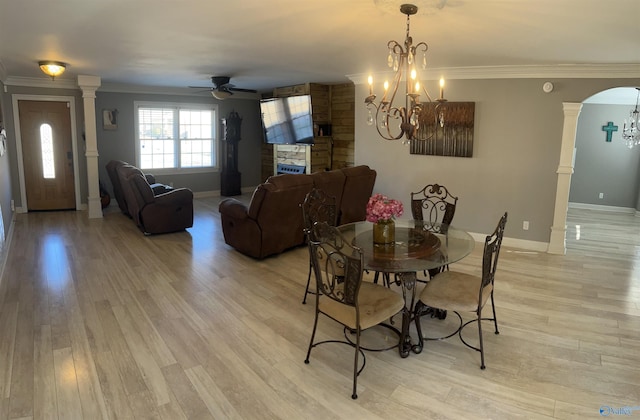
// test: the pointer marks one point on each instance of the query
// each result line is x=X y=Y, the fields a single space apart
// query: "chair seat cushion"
x=376 y=303
x=454 y=291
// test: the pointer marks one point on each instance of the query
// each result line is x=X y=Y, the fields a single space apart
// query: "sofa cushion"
x=144 y=188
x=285 y=181
x=112 y=170
x=331 y=183
x=358 y=187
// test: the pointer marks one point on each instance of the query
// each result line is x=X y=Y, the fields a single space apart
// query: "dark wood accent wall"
x=343 y=123
x=321 y=109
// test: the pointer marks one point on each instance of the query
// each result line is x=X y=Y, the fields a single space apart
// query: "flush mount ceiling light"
x=427 y=7
x=52 y=68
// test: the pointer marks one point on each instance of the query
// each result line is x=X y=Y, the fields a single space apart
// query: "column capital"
x=571 y=108
x=89 y=83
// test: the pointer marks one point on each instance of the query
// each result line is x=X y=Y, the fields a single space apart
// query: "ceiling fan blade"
x=242 y=90
x=200 y=87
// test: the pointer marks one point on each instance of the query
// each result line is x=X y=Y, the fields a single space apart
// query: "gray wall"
x=518 y=133
x=5 y=171
x=120 y=144
x=602 y=167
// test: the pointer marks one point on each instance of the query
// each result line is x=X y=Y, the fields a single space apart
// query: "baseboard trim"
x=514 y=243
x=4 y=251
x=600 y=207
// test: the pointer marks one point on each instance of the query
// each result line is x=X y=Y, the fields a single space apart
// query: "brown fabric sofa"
x=171 y=211
x=273 y=221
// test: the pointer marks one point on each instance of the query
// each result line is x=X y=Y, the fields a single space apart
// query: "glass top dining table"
x=418 y=246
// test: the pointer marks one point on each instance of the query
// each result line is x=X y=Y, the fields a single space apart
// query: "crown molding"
x=558 y=71
x=119 y=88
x=167 y=90
x=41 y=82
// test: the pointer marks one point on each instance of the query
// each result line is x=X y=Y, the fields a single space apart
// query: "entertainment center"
x=333 y=108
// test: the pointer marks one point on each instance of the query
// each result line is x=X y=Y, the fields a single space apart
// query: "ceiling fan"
x=222 y=88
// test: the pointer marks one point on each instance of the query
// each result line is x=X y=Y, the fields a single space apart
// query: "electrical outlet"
x=525 y=225
x=601 y=196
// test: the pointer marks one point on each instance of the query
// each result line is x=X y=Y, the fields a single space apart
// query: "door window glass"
x=46 y=144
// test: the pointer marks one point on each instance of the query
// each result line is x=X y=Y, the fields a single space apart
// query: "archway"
x=557 y=242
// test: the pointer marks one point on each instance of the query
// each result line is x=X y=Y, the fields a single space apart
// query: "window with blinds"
x=176 y=137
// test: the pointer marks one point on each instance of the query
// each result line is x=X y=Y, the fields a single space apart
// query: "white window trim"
x=177 y=171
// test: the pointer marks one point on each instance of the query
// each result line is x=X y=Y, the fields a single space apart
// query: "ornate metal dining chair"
x=436 y=207
x=341 y=294
x=462 y=292
x=317 y=206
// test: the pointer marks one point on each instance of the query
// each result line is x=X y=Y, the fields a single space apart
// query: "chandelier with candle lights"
x=393 y=118
x=631 y=130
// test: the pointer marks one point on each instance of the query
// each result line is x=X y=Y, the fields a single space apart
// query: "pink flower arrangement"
x=381 y=207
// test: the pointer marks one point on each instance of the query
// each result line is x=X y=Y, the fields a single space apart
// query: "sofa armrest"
x=233 y=208
x=160 y=188
x=239 y=230
x=178 y=195
x=150 y=178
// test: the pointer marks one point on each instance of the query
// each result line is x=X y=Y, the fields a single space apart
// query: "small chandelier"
x=52 y=68
x=394 y=121
x=631 y=132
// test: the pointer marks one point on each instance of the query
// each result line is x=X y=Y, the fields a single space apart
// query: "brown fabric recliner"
x=112 y=170
x=273 y=220
x=270 y=224
x=163 y=213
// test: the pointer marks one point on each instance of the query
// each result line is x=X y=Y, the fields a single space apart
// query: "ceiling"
x=264 y=44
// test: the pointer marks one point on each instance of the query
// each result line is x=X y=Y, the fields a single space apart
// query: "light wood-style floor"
x=99 y=321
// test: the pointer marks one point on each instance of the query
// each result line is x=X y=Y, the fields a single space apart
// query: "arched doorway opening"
x=557 y=242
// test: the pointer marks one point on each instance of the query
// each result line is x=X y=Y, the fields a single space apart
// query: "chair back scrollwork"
x=318 y=206
x=492 y=246
x=434 y=205
x=337 y=265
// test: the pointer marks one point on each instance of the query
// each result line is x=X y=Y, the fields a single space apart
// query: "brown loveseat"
x=273 y=221
x=166 y=212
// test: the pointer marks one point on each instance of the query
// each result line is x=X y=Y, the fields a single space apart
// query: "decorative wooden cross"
x=609 y=128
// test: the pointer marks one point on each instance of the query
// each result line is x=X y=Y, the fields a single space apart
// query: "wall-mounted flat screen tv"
x=287 y=120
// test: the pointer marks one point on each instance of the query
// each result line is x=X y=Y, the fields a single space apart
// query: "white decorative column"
x=89 y=84
x=557 y=242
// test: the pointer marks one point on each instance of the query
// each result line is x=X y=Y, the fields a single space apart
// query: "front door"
x=47 y=154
